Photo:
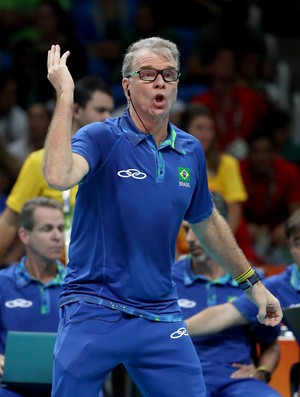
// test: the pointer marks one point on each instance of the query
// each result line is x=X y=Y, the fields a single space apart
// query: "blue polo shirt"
x=127 y=216
x=197 y=292
x=285 y=286
x=26 y=303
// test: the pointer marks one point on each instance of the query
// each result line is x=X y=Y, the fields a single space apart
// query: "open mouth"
x=159 y=98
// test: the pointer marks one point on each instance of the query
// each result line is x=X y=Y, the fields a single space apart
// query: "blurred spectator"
x=273 y=194
x=238 y=111
x=278 y=123
x=10 y=165
x=93 y=101
x=202 y=283
x=231 y=28
x=100 y=26
x=177 y=110
x=222 y=169
x=36 y=280
x=146 y=24
x=23 y=69
x=13 y=130
x=39 y=118
x=9 y=170
x=198 y=121
x=284 y=285
x=269 y=75
x=4 y=188
x=54 y=25
x=256 y=71
x=17 y=20
x=179 y=26
x=250 y=69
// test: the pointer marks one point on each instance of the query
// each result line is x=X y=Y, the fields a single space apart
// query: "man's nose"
x=57 y=234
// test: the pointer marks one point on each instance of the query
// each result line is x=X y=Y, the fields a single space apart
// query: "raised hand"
x=58 y=72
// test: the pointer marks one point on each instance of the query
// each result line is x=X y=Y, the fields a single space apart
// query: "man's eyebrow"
x=103 y=109
x=46 y=225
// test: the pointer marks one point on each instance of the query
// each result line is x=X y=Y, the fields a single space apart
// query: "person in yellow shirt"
x=223 y=171
x=93 y=101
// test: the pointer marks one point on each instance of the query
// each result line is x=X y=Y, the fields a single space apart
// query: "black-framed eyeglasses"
x=169 y=75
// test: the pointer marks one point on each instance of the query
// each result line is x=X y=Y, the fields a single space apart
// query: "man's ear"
x=125 y=85
x=23 y=235
x=76 y=110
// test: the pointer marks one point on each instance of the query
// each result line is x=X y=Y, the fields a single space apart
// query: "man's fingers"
x=54 y=57
x=50 y=59
x=237 y=365
x=56 y=54
x=261 y=316
x=271 y=317
x=65 y=56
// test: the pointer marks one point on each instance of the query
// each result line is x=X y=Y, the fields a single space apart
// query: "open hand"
x=58 y=72
x=244 y=371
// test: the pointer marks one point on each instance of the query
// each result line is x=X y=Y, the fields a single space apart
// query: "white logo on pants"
x=179 y=333
x=187 y=304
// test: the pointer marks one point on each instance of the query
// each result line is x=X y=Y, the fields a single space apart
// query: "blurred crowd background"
x=239 y=61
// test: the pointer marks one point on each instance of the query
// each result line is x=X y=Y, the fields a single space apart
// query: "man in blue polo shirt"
x=285 y=286
x=202 y=283
x=29 y=290
x=139 y=176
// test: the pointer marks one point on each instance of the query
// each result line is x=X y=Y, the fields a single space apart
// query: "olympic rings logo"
x=186 y=304
x=132 y=173
x=179 y=333
x=18 y=303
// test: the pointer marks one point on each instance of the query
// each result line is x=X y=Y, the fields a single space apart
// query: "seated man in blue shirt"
x=285 y=286
x=29 y=290
x=201 y=283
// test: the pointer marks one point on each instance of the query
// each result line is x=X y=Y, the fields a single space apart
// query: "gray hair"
x=159 y=46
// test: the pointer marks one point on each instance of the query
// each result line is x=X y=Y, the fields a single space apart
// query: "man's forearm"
x=269 y=357
x=57 y=161
x=214 y=319
x=8 y=230
x=219 y=242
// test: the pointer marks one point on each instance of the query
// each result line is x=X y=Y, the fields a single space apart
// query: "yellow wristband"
x=242 y=277
x=266 y=373
x=262 y=368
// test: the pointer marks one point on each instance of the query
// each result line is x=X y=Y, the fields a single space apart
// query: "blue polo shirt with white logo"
x=196 y=292
x=26 y=303
x=128 y=212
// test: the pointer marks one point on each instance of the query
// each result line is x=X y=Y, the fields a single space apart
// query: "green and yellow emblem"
x=184 y=174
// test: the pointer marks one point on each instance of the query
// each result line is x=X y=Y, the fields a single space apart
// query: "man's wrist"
x=264 y=374
x=247 y=279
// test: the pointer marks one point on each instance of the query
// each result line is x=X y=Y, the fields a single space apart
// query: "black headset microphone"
x=129 y=96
